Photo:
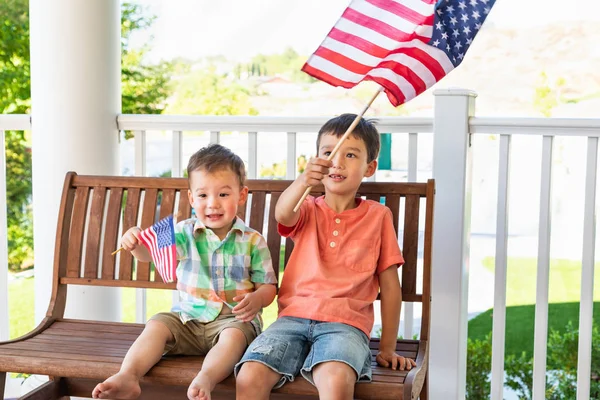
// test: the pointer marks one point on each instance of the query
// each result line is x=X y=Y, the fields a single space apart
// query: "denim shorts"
x=296 y=345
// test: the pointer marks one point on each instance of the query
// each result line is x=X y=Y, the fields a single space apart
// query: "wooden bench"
x=94 y=210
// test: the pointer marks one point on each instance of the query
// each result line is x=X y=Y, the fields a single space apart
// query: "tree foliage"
x=145 y=87
x=144 y=90
x=15 y=97
x=207 y=92
x=287 y=64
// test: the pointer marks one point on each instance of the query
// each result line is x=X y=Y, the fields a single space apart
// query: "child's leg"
x=335 y=369
x=275 y=357
x=334 y=380
x=255 y=381
x=218 y=363
x=142 y=355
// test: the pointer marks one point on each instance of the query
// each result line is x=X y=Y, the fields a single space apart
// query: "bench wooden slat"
x=148 y=219
x=75 y=325
x=118 y=283
x=111 y=232
x=410 y=244
x=184 y=208
x=130 y=217
x=77 y=229
x=92 y=248
x=257 y=210
x=273 y=238
x=392 y=201
x=427 y=242
x=374 y=196
x=259 y=185
x=32 y=351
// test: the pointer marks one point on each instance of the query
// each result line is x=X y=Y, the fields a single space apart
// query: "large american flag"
x=159 y=239
x=406 y=46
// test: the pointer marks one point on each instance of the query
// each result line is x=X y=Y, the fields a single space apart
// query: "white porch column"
x=75 y=90
x=451 y=230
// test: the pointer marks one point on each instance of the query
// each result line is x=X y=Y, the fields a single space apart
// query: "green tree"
x=207 y=92
x=144 y=87
x=15 y=97
x=287 y=63
x=548 y=94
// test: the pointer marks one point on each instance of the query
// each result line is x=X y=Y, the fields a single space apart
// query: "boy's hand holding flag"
x=159 y=239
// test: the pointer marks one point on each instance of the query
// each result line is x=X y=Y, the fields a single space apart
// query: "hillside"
x=504 y=66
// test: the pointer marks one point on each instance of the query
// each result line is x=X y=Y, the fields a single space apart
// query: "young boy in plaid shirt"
x=225 y=277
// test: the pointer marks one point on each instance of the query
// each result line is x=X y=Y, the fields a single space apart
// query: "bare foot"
x=200 y=388
x=119 y=386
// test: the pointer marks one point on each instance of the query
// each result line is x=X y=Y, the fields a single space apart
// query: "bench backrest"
x=96 y=210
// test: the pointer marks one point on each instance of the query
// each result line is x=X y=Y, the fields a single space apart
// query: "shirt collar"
x=360 y=209
x=238 y=225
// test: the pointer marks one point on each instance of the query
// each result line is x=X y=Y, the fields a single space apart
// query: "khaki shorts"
x=197 y=338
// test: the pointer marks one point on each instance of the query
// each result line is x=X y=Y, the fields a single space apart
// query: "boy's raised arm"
x=313 y=174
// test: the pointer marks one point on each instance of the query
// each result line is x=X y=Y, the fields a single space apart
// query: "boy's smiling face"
x=350 y=164
x=215 y=197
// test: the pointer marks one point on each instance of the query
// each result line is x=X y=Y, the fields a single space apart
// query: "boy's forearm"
x=266 y=292
x=391 y=303
x=284 y=210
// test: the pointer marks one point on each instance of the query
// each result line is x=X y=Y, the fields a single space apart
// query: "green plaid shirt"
x=212 y=272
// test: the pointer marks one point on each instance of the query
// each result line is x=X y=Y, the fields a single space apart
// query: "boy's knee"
x=254 y=376
x=157 y=328
x=334 y=376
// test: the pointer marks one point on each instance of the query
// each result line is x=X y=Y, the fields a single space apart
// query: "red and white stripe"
x=165 y=259
x=383 y=41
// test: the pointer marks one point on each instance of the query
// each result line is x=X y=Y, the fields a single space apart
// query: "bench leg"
x=425 y=390
x=50 y=390
x=2 y=384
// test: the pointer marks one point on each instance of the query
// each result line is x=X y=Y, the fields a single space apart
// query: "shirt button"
x=337 y=220
x=335 y=233
x=332 y=244
x=218 y=272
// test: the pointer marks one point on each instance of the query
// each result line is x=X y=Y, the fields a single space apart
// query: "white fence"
x=455 y=140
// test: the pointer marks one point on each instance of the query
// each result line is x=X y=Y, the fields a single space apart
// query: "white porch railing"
x=548 y=130
x=505 y=129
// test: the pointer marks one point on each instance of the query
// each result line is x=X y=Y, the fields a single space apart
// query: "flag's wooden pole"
x=337 y=146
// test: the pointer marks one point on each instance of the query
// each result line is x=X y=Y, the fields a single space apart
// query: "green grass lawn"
x=20 y=307
x=565 y=280
x=564 y=291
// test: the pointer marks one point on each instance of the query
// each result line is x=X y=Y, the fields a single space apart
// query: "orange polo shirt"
x=333 y=272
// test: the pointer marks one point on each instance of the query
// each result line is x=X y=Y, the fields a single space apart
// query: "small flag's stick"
x=337 y=146
x=120 y=248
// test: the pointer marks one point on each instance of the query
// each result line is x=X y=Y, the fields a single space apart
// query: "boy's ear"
x=371 y=168
x=243 y=195
x=190 y=198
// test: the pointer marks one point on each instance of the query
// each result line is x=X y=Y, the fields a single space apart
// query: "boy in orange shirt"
x=345 y=252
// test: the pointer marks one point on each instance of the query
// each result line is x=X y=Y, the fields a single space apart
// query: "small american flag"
x=159 y=239
x=406 y=46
